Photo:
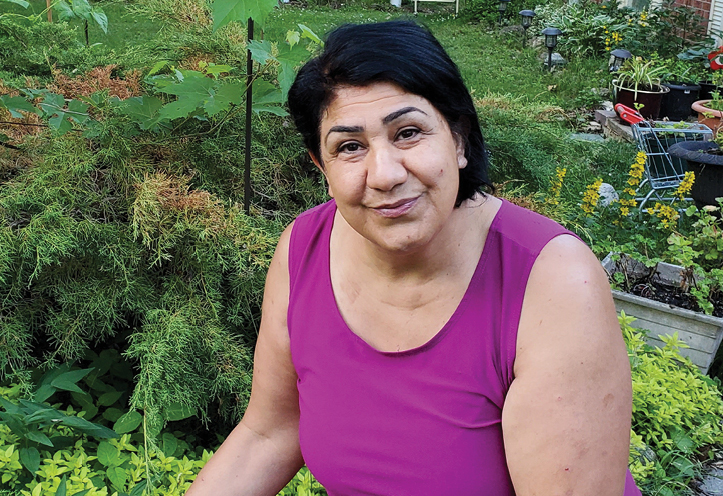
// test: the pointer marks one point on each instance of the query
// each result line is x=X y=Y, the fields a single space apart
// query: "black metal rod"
x=249 y=109
x=549 y=59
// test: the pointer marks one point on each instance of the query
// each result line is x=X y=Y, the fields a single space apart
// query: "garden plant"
x=131 y=277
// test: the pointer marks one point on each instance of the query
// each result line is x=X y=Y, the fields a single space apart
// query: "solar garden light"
x=501 y=8
x=527 y=16
x=618 y=56
x=551 y=35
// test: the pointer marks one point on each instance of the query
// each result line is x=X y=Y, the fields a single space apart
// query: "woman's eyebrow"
x=345 y=129
x=398 y=113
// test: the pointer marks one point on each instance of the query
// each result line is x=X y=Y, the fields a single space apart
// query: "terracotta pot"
x=649 y=99
x=704 y=115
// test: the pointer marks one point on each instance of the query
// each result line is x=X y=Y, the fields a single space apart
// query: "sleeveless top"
x=426 y=421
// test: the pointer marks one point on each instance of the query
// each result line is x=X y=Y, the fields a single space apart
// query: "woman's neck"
x=457 y=244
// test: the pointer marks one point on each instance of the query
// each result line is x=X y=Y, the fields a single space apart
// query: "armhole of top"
x=294 y=254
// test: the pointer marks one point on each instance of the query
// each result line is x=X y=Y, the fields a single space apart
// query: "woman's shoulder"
x=521 y=228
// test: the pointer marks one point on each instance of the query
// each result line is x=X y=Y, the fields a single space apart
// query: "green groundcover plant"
x=677 y=415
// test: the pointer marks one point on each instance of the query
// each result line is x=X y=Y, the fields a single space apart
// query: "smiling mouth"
x=396 y=209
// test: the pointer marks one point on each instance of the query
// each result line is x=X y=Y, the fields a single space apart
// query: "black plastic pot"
x=708 y=169
x=706 y=88
x=676 y=103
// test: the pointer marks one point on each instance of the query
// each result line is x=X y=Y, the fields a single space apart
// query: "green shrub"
x=677 y=412
x=32 y=48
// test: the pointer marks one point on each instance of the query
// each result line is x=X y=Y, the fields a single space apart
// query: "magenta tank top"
x=426 y=421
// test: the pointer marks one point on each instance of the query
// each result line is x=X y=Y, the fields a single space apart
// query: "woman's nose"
x=385 y=167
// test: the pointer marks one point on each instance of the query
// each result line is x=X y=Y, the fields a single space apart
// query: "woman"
x=420 y=336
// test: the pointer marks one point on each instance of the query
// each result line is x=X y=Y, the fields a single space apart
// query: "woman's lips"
x=396 y=209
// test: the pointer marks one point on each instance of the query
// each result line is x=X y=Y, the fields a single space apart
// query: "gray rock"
x=593 y=126
x=602 y=92
x=712 y=484
x=608 y=105
x=513 y=29
x=607 y=193
x=557 y=59
x=537 y=42
x=593 y=138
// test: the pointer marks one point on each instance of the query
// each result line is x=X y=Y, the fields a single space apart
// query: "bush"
x=677 y=413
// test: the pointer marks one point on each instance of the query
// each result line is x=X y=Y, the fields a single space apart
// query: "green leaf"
x=65 y=13
x=182 y=107
x=82 y=493
x=260 y=51
x=39 y=437
x=178 y=411
x=289 y=60
x=271 y=109
x=44 y=392
x=15 y=423
x=62 y=125
x=86 y=403
x=100 y=18
x=170 y=444
x=192 y=93
x=10 y=407
x=117 y=477
x=112 y=414
x=216 y=70
x=81 y=8
x=143 y=110
x=30 y=458
x=309 y=34
x=68 y=380
x=227 y=94
x=108 y=455
x=128 y=422
x=107 y=399
x=139 y=488
x=225 y=11
x=89 y=427
x=22 y=3
x=264 y=92
x=79 y=115
x=47 y=415
x=158 y=66
x=292 y=37
x=17 y=104
x=62 y=487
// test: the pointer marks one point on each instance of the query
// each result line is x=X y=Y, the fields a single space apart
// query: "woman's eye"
x=349 y=147
x=407 y=133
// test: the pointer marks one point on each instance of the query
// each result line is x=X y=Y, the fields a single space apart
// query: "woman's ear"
x=320 y=165
x=460 y=140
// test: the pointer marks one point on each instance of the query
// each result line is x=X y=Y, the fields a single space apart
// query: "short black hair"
x=398 y=52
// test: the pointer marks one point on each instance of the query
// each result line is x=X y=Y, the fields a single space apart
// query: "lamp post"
x=619 y=56
x=501 y=8
x=527 y=16
x=551 y=35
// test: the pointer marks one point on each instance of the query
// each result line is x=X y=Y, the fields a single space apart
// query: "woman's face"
x=392 y=164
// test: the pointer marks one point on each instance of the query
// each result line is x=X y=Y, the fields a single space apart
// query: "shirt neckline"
x=459 y=310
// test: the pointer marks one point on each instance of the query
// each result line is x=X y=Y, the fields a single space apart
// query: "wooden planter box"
x=703 y=333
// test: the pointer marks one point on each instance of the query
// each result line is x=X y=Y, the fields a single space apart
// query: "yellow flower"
x=556 y=186
x=591 y=197
x=667 y=214
x=685 y=185
x=624 y=211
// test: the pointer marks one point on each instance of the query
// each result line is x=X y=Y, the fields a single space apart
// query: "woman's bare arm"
x=566 y=419
x=262 y=453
